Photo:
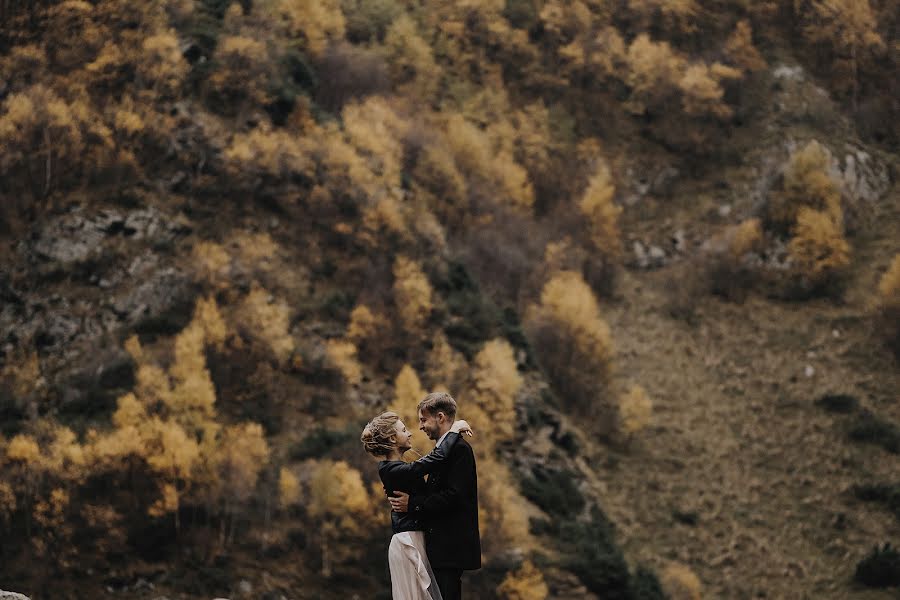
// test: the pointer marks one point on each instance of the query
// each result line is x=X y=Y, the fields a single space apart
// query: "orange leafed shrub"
x=680 y=583
x=635 y=410
x=818 y=248
x=525 y=583
x=807 y=182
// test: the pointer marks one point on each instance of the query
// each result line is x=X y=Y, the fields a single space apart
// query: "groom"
x=449 y=506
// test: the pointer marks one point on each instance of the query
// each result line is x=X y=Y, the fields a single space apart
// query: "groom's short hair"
x=436 y=402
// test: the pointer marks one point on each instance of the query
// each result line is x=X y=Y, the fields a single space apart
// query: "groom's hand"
x=399 y=502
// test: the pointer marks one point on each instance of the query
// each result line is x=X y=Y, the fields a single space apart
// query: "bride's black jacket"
x=400 y=476
x=448 y=507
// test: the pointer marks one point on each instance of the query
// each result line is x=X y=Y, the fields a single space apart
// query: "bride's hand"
x=462 y=427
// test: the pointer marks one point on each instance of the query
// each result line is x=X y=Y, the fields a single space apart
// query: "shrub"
x=818 y=249
x=680 y=583
x=871 y=429
x=838 y=403
x=880 y=569
x=889 y=305
x=882 y=493
x=728 y=255
x=645 y=585
x=554 y=492
x=592 y=554
x=525 y=583
x=635 y=410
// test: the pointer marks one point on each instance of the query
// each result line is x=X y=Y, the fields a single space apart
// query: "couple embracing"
x=434 y=520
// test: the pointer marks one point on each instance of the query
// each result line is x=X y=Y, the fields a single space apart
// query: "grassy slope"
x=738 y=440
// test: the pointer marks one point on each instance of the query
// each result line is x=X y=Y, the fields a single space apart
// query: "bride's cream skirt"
x=411 y=574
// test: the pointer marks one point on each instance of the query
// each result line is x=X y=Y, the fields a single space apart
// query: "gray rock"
x=12 y=596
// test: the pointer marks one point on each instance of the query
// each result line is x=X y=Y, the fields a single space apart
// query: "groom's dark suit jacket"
x=449 y=510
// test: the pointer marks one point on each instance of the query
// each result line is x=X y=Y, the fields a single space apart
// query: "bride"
x=386 y=438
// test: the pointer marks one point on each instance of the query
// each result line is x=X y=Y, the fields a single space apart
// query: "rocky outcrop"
x=85 y=280
x=12 y=596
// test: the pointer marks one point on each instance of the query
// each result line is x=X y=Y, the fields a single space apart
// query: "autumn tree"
x=411 y=60
x=268 y=319
x=848 y=29
x=601 y=215
x=444 y=366
x=54 y=141
x=240 y=455
x=244 y=71
x=412 y=295
x=818 y=249
x=807 y=182
x=574 y=344
x=889 y=303
x=495 y=384
x=408 y=392
x=741 y=52
x=337 y=503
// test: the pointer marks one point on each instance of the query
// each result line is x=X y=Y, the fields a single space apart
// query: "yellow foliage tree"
x=412 y=294
x=244 y=70
x=376 y=131
x=496 y=382
x=444 y=366
x=670 y=16
x=525 y=583
x=601 y=213
x=740 y=50
x=411 y=60
x=264 y=156
x=408 y=392
x=289 y=491
x=163 y=67
x=341 y=355
x=653 y=72
x=502 y=510
x=849 y=29
x=338 y=501
x=314 y=23
x=818 y=248
x=574 y=342
x=701 y=89
x=240 y=456
x=807 y=182
x=54 y=140
x=268 y=319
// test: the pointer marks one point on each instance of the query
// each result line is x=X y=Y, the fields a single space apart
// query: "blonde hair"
x=436 y=402
x=378 y=436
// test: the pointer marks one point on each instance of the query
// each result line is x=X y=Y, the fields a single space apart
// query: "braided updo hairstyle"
x=378 y=436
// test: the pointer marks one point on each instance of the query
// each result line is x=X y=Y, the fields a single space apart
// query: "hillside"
x=650 y=247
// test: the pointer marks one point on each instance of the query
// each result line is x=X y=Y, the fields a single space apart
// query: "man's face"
x=403 y=437
x=431 y=424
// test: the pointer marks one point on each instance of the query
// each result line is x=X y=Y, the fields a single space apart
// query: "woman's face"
x=403 y=437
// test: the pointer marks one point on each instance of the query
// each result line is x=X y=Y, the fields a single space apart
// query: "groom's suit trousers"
x=450 y=583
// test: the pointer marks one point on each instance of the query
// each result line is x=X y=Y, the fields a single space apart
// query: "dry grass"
x=741 y=444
